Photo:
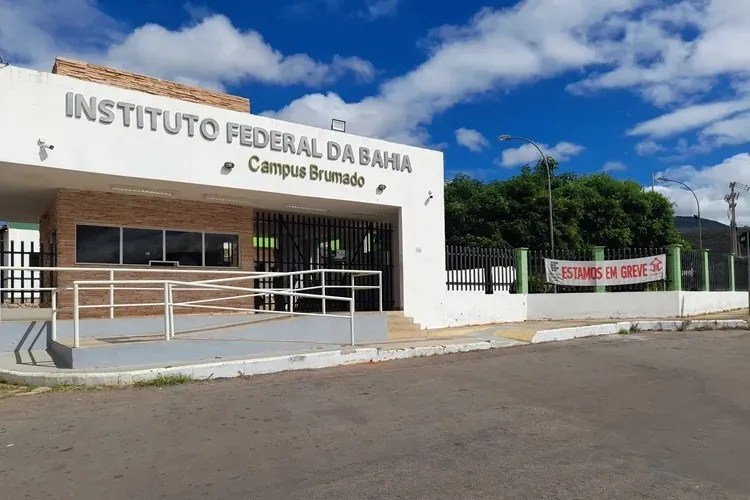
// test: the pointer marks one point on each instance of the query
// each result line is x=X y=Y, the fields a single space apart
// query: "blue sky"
x=628 y=86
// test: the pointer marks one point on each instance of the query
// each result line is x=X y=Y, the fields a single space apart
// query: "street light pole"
x=698 y=203
x=549 y=185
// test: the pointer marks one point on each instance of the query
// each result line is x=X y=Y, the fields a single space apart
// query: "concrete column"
x=674 y=268
x=731 y=273
x=598 y=254
x=703 y=285
x=522 y=270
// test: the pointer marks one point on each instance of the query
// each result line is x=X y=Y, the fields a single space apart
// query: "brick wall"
x=83 y=207
x=154 y=86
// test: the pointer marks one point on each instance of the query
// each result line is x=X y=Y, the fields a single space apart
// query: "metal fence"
x=718 y=272
x=17 y=286
x=636 y=253
x=537 y=276
x=740 y=274
x=692 y=270
x=488 y=270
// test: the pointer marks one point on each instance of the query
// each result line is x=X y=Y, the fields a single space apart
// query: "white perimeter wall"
x=623 y=305
x=694 y=303
x=477 y=308
x=33 y=106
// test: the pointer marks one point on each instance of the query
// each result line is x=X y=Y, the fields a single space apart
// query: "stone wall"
x=133 y=81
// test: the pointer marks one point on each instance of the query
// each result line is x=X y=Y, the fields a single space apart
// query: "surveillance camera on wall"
x=228 y=165
x=42 y=142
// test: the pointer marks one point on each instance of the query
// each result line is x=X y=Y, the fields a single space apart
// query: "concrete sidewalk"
x=39 y=369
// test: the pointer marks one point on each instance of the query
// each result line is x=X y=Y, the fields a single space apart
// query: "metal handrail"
x=169 y=304
x=215 y=284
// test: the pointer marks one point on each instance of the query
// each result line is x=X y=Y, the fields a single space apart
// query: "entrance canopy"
x=27 y=190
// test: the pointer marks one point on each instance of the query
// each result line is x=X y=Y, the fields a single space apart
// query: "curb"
x=350 y=356
x=242 y=368
x=637 y=326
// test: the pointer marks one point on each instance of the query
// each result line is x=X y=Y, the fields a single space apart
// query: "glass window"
x=222 y=250
x=185 y=247
x=139 y=246
x=97 y=245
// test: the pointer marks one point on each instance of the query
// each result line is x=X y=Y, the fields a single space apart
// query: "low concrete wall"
x=24 y=335
x=557 y=306
x=623 y=305
x=477 y=308
x=265 y=338
x=695 y=303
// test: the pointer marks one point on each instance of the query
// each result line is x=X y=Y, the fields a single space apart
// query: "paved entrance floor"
x=647 y=415
x=504 y=334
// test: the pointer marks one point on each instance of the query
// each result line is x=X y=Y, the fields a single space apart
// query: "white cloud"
x=375 y=9
x=711 y=184
x=614 y=166
x=689 y=118
x=562 y=151
x=674 y=50
x=735 y=130
x=497 y=48
x=471 y=139
x=210 y=52
x=670 y=53
x=646 y=148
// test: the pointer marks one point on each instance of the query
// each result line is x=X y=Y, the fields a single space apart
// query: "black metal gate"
x=288 y=242
x=17 y=285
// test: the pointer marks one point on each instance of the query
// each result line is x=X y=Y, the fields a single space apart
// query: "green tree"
x=589 y=210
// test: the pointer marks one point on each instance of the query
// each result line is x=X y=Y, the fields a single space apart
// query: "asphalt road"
x=663 y=416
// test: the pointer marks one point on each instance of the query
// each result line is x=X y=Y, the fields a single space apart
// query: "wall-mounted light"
x=143 y=191
x=225 y=199
x=309 y=209
x=338 y=125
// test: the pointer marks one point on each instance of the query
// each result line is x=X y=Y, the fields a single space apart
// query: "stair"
x=401 y=327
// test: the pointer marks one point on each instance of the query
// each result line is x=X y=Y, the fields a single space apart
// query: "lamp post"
x=549 y=185
x=698 y=203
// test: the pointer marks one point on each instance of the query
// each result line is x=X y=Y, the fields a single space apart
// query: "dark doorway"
x=290 y=242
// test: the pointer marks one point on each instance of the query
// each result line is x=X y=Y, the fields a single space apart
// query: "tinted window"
x=222 y=250
x=97 y=245
x=139 y=246
x=185 y=247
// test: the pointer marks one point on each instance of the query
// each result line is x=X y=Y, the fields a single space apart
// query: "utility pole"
x=653 y=181
x=731 y=199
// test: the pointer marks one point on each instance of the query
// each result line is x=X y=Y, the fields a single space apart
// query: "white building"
x=125 y=170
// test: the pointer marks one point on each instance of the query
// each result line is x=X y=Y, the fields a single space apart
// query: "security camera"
x=430 y=195
x=228 y=165
x=42 y=142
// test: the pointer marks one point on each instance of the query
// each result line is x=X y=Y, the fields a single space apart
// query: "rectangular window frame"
x=164 y=246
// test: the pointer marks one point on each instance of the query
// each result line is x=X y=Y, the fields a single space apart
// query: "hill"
x=687 y=222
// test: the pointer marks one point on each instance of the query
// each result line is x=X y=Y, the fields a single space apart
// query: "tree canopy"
x=588 y=210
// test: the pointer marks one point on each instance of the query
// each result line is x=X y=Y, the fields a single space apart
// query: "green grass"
x=8 y=389
x=623 y=331
x=165 y=380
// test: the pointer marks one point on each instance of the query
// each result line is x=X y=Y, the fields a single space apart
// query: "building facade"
x=125 y=171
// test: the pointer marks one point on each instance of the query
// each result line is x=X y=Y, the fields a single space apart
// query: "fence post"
x=598 y=254
x=704 y=286
x=731 y=273
x=522 y=270
x=674 y=268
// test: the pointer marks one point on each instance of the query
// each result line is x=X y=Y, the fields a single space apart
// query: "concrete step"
x=403 y=327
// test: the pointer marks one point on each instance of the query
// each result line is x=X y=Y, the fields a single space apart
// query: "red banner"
x=606 y=272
